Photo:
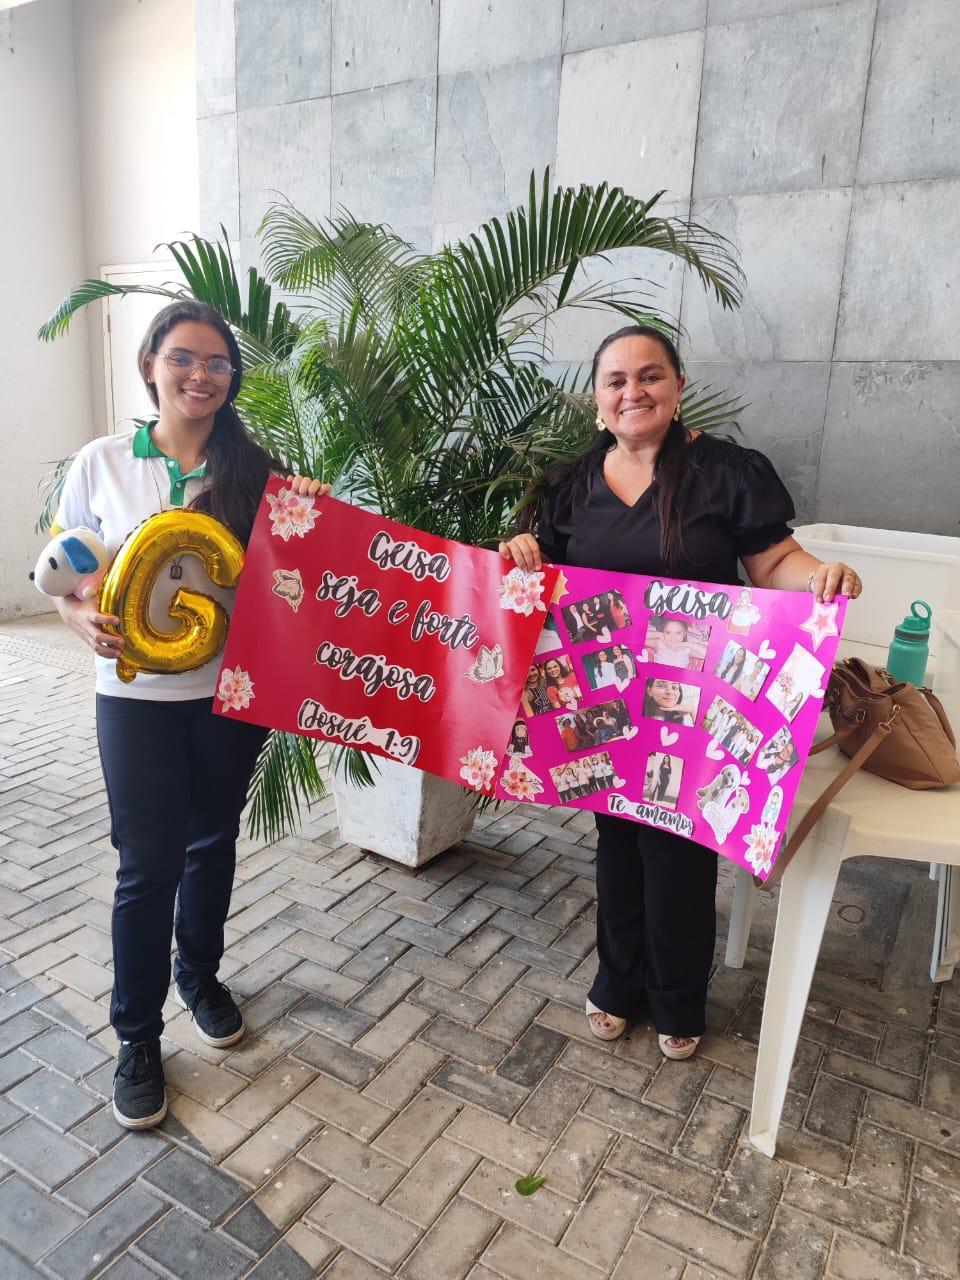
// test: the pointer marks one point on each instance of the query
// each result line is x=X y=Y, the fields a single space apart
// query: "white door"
x=125 y=321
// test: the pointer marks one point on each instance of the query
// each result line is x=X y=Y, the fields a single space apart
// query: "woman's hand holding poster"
x=684 y=705
x=357 y=630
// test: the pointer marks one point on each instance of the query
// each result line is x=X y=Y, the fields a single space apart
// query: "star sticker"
x=560 y=589
x=821 y=623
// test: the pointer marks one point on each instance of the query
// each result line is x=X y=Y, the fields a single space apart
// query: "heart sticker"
x=744 y=779
x=668 y=736
x=715 y=751
x=619 y=782
x=603 y=637
x=765 y=651
x=621 y=685
x=819 y=693
x=629 y=732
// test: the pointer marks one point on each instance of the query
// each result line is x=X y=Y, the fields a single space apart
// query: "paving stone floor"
x=416 y=1043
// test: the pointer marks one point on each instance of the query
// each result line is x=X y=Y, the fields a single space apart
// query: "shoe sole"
x=215 y=1042
x=140 y=1122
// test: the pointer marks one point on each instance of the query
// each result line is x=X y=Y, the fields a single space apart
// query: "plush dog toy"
x=72 y=563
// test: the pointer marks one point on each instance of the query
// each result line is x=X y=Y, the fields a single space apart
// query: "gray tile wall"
x=821 y=136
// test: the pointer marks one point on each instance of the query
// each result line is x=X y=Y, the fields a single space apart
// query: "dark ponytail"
x=237 y=467
x=670 y=471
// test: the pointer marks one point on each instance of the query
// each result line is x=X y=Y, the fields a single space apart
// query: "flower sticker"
x=522 y=592
x=479 y=768
x=235 y=690
x=520 y=782
x=761 y=846
x=291 y=515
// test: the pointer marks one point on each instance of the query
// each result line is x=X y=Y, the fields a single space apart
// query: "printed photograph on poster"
x=744 y=670
x=614 y=665
x=595 y=726
x=719 y=788
x=595 y=617
x=661 y=781
x=800 y=676
x=744 y=614
x=583 y=777
x=551 y=685
x=549 y=638
x=519 y=744
x=670 y=701
x=676 y=642
x=779 y=755
x=730 y=729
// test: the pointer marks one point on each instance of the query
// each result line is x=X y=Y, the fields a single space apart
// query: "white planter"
x=407 y=815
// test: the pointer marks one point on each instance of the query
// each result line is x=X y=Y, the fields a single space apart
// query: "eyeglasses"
x=217 y=368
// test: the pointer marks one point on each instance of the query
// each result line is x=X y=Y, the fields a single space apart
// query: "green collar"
x=144 y=446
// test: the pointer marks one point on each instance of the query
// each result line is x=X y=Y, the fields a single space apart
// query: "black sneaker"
x=139 y=1090
x=215 y=1014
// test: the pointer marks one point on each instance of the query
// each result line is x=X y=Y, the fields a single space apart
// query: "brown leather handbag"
x=894 y=730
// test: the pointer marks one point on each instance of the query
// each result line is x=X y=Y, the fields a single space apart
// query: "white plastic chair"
x=869 y=817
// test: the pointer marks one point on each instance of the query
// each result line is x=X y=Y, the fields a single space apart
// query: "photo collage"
x=603 y=676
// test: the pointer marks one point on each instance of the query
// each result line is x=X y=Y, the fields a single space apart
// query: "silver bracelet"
x=813 y=574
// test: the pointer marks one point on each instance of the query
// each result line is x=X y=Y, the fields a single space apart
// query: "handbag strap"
x=816 y=810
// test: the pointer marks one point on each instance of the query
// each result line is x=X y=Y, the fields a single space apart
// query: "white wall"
x=138 y=139
x=101 y=166
x=44 y=389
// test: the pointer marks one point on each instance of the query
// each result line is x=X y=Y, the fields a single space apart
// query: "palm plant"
x=416 y=382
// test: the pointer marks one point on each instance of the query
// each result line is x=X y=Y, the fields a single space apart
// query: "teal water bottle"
x=907 y=659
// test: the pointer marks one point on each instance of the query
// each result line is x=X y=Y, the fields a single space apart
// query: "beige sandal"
x=678 y=1047
x=612 y=1033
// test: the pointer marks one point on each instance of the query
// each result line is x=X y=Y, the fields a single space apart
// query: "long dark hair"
x=237 y=467
x=670 y=469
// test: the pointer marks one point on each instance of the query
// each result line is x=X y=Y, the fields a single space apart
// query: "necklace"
x=176 y=570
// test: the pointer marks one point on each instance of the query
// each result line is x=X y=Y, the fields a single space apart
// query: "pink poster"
x=684 y=705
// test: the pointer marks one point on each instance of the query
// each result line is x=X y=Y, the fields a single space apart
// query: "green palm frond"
x=358 y=767
x=343 y=264
x=264 y=333
x=93 y=291
x=707 y=410
x=285 y=779
x=51 y=486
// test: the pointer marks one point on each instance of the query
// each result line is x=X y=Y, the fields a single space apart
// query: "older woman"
x=648 y=496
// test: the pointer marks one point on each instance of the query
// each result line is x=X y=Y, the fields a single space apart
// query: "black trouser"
x=177 y=778
x=656 y=925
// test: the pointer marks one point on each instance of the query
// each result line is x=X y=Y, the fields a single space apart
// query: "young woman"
x=562 y=687
x=533 y=697
x=662 y=700
x=176 y=774
x=648 y=496
x=623 y=667
x=733 y=668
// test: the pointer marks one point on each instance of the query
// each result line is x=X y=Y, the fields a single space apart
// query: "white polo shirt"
x=114 y=484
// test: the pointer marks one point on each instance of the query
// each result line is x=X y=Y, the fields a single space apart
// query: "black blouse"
x=733 y=504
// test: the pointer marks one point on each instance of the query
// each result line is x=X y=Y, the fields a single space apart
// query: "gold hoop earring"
x=676 y=412
x=601 y=425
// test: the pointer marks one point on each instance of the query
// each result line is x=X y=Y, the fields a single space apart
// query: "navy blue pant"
x=656 y=925
x=177 y=778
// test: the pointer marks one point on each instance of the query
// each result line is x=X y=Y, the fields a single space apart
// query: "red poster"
x=355 y=629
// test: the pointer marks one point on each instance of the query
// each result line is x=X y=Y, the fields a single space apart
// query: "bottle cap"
x=916 y=624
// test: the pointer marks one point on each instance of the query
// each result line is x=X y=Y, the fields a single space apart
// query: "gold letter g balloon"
x=129 y=584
